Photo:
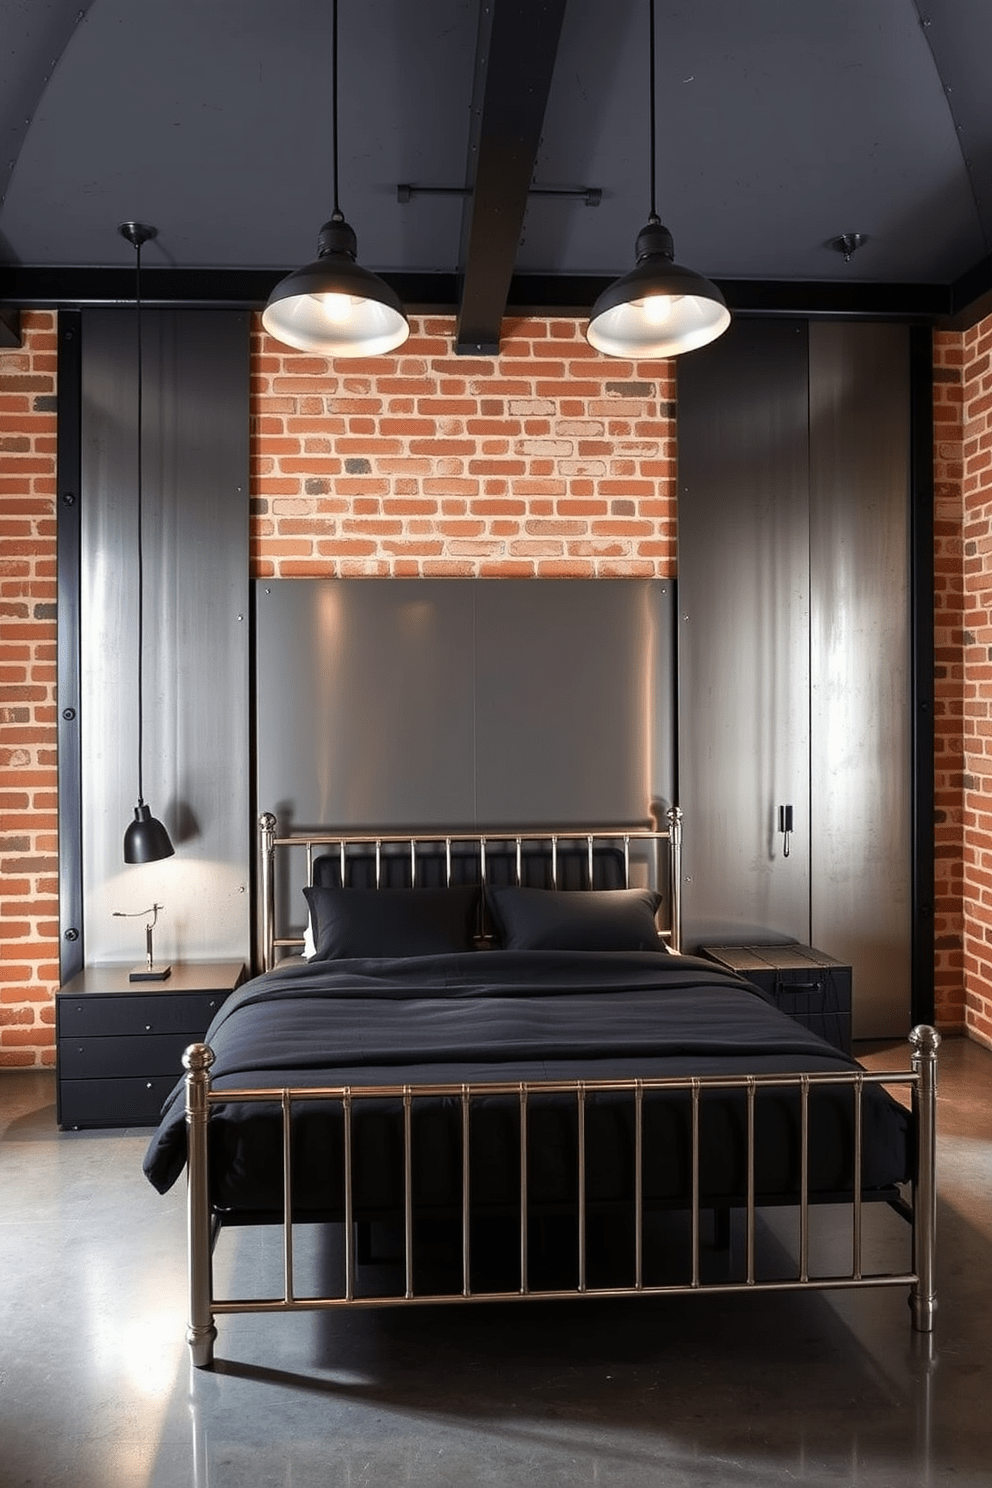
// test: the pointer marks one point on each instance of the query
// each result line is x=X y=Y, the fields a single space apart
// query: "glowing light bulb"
x=337 y=307
x=658 y=308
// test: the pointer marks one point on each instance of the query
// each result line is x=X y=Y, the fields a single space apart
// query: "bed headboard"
x=566 y=859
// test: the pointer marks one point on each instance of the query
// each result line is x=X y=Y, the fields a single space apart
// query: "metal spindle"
x=639 y=1185
x=750 y=1217
x=856 y=1198
x=804 y=1181
x=524 y=1288
x=287 y=1196
x=466 y=1196
x=580 y=1115
x=695 y=1183
x=408 y=1189
x=349 y=1202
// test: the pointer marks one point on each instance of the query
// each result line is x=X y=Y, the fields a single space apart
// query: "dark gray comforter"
x=518 y=1015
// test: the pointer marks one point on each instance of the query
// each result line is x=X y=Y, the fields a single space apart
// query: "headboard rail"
x=380 y=847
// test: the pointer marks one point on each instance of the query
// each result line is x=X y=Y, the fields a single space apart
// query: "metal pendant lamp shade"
x=145 y=839
x=333 y=305
x=659 y=309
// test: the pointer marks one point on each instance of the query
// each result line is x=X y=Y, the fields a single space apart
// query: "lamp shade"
x=146 y=840
x=659 y=309
x=335 y=306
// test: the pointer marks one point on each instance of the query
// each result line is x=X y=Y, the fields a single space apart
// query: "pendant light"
x=333 y=305
x=145 y=840
x=659 y=309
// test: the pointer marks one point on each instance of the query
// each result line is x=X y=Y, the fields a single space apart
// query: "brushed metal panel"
x=364 y=703
x=860 y=649
x=573 y=680
x=743 y=634
x=196 y=630
x=412 y=704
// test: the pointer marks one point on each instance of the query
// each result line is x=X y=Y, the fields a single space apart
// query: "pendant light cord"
x=141 y=554
x=651 y=94
x=336 y=215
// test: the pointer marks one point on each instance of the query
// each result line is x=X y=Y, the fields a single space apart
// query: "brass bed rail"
x=668 y=840
x=919 y=1208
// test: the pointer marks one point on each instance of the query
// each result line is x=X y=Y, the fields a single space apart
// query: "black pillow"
x=575 y=920
x=391 y=922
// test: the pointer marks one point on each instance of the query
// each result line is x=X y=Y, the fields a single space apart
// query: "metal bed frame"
x=917 y=1205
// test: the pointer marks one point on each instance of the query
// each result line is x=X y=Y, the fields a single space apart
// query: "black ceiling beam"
x=515 y=62
x=425 y=293
x=971 y=296
x=10 y=328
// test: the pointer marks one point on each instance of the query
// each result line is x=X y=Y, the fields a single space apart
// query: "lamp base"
x=149 y=973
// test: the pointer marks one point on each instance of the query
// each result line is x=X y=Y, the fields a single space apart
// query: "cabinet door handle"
x=785 y=827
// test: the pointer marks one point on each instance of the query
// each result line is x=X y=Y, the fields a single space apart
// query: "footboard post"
x=201 y=1332
x=923 y=1298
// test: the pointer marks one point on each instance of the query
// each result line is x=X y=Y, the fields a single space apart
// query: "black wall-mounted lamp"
x=145 y=839
x=659 y=309
x=333 y=305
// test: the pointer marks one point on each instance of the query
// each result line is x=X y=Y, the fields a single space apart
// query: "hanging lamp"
x=659 y=309
x=145 y=839
x=333 y=305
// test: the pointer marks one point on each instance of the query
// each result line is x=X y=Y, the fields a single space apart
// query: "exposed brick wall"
x=28 y=777
x=963 y=420
x=548 y=461
x=949 y=681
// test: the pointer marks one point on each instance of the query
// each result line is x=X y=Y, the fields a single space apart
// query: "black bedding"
x=520 y=1015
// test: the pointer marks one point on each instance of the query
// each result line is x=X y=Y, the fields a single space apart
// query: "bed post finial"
x=925 y=1042
x=201 y=1332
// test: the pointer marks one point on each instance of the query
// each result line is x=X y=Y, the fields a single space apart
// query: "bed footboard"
x=919 y=1207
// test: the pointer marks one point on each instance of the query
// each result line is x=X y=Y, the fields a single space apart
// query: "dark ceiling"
x=782 y=124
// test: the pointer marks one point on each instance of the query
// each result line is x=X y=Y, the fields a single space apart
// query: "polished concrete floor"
x=96 y=1391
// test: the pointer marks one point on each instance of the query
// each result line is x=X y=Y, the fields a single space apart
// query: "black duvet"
x=519 y=1015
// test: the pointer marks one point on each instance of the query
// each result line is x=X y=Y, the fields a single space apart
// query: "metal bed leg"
x=923 y=1297
x=201 y=1332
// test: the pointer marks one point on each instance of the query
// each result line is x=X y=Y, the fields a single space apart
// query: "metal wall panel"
x=794 y=686
x=860 y=651
x=420 y=704
x=196 y=629
x=744 y=634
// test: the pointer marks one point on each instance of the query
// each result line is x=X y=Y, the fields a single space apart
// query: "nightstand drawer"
x=134 y=1102
x=105 y=1058
x=126 y=1014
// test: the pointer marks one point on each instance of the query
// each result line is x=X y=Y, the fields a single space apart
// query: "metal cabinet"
x=794 y=647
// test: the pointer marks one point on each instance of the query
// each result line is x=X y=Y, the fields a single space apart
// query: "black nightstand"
x=120 y=1043
x=809 y=985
